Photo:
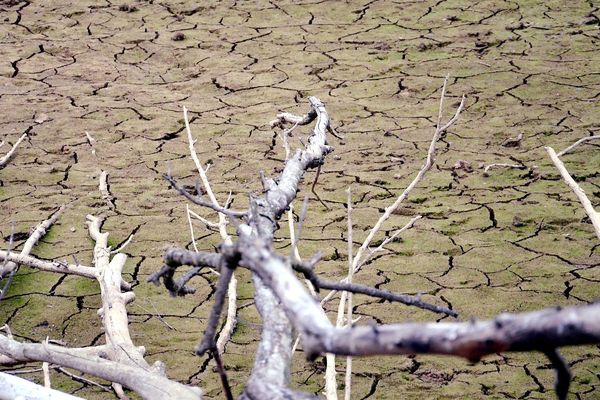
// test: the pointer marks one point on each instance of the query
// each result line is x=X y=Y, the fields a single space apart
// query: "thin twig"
x=587 y=205
x=222 y=374
x=189 y=213
x=200 y=218
x=199 y=201
x=10 y=153
x=312 y=188
x=174 y=258
x=348 y=378
x=294 y=254
x=82 y=379
x=416 y=301
x=387 y=240
x=577 y=143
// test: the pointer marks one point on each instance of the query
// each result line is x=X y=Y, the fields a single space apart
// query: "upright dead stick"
x=577 y=143
x=587 y=205
x=428 y=163
x=149 y=385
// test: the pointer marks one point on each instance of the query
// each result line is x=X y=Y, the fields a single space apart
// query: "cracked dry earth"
x=515 y=240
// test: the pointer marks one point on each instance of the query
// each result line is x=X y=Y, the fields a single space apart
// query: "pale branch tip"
x=201 y=202
x=175 y=258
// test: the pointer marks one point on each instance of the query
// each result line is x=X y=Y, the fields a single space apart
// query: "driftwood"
x=284 y=303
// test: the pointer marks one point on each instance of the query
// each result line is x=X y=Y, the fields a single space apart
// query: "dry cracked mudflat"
x=515 y=240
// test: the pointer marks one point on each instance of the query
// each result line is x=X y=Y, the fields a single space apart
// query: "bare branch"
x=577 y=143
x=533 y=331
x=83 y=352
x=348 y=378
x=79 y=378
x=18 y=388
x=222 y=226
x=208 y=340
x=121 y=247
x=587 y=205
x=149 y=385
x=4 y=160
x=174 y=258
x=428 y=163
x=563 y=374
x=231 y=319
x=52 y=266
x=486 y=171
x=35 y=236
x=358 y=260
x=369 y=291
x=103 y=186
x=199 y=201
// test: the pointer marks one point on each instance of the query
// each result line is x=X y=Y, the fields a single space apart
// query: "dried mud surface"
x=516 y=240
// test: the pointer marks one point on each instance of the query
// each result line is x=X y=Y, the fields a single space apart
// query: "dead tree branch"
x=9 y=268
x=283 y=301
x=587 y=205
x=577 y=143
x=119 y=361
x=149 y=385
x=18 y=388
x=4 y=160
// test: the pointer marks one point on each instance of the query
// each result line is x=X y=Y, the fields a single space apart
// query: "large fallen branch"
x=283 y=300
x=119 y=361
x=148 y=384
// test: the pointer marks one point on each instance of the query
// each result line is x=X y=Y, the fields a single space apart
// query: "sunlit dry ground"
x=516 y=240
